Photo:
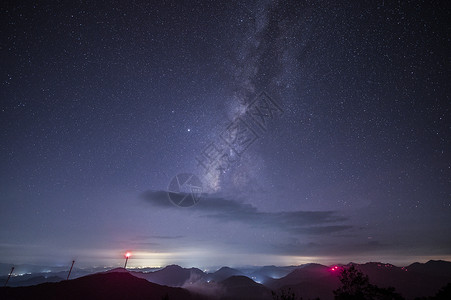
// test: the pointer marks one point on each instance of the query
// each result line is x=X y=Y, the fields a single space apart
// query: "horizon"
x=207 y=269
x=222 y=133
x=247 y=282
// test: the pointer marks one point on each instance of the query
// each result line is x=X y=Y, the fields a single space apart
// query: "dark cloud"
x=165 y=237
x=324 y=229
x=155 y=242
x=157 y=198
x=228 y=210
x=325 y=248
x=157 y=237
x=349 y=248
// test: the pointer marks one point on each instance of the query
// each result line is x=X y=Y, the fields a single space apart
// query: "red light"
x=128 y=254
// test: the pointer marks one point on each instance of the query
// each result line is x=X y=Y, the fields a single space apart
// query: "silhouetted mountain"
x=242 y=287
x=273 y=271
x=223 y=273
x=432 y=267
x=172 y=275
x=114 y=285
x=260 y=278
x=310 y=272
x=309 y=281
x=313 y=280
x=118 y=270
x=417 y=280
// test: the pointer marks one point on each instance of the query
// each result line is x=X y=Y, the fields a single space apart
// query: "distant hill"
x=432 y=267
x=223 y=273
x=273 y=272
x=114 y=285
x=242 y=287
x=417 y=280
x=307 y=281
x=172 y=275
x=311 y=272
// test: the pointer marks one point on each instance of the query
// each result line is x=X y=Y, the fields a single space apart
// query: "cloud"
x=153 y=237
x=326 y=248
x=228 y=210
x=157 y=198
x=153 y=241
x=166 y=237
x=324 y=229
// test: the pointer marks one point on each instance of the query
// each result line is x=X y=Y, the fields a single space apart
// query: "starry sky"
x=318 y=131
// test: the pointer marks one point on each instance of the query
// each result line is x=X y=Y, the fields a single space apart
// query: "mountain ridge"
x=307 y=281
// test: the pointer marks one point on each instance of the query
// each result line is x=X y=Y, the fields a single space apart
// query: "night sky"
x=318 y=130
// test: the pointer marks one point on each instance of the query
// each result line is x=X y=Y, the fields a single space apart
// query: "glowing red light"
x=128 y=254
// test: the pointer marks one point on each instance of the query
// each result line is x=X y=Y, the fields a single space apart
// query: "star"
x=308 y=111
